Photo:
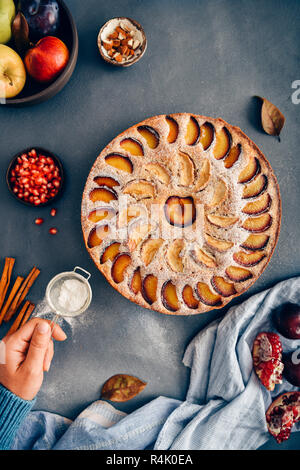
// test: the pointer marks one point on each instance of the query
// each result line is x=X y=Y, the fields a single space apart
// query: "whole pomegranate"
x=287 y=320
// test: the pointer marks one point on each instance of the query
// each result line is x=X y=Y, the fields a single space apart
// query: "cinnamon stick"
x=5 y=279
x=11 y=296
x=19 y=318
x=21 y=294
x=27 y=314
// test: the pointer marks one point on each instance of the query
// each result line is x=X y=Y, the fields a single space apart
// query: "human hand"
x=29 y=352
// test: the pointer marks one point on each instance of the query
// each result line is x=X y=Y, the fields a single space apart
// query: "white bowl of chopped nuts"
x=122 y=41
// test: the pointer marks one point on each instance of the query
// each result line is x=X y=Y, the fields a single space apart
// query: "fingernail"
x=43 y=328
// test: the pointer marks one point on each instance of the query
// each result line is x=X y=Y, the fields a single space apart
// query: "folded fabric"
x=225 y=403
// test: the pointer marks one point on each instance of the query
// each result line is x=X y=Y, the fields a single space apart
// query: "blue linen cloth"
x=13 y=410
x=225 y=403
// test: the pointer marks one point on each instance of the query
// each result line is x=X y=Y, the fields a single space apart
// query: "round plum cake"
x=181 y=213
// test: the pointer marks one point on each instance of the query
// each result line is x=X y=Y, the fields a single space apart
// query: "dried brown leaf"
x=20 y=32
x=272 y=118
x=122 y=387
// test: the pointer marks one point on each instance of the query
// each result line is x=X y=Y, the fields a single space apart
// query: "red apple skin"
x=47 y=59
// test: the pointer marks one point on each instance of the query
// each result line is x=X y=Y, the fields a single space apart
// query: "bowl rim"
x=144 y=44
x=76 y=275
x=47 y=153
x=62 y=79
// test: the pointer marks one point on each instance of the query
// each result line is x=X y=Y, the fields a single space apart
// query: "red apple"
x=47 y=59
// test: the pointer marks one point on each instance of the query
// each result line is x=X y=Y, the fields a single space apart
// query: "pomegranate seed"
x=53 y=231
x=53 y=212
x=39 y=221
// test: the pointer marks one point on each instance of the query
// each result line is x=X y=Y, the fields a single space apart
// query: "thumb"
x=38 y=347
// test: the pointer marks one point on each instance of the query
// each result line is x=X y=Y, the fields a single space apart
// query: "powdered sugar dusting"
x=43 y=310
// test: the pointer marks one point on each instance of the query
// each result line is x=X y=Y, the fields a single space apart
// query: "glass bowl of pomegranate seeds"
x=35 y=177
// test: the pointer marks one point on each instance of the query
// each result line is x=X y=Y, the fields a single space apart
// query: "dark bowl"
x=34 y=92
x=47 y=154
x=142 y=51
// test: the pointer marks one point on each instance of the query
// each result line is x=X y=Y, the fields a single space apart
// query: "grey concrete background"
x=207 y=57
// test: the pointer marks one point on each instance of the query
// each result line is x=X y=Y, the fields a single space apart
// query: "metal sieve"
x=53 y=289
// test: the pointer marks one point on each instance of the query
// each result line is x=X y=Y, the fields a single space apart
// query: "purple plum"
x=287 y=320
x=291 y=369
x=42 y=17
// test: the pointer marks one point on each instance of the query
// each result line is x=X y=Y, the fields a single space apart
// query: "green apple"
x=7 y=14
x=12 y=72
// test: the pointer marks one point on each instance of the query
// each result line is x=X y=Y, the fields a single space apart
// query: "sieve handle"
x=53 y=323
x=78 y=268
